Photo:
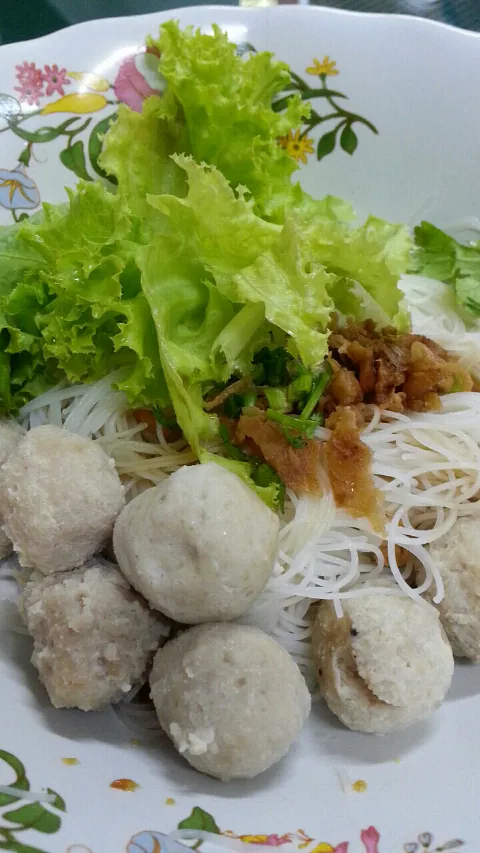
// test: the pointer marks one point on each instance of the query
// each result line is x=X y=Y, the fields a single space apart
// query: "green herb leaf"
x=276 y=398
x=233 y=451
x=442 y=257
x=300 y=387
x=234 y=404
x=319 y=388
x=272 y=367
x=435 y=256
x=296 y=430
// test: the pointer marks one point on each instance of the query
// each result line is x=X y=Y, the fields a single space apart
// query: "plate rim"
x=376 y=23
x=381 y=18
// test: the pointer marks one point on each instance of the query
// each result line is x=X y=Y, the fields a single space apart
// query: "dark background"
x=25 y=19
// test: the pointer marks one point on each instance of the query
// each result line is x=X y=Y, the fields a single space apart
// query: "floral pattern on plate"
x=19 y=815
x=47 y=92
x=157 y=842
x=83 y=95
x=298 y=144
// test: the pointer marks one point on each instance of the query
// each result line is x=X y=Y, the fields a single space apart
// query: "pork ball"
x=231 y=699
x=59 y=498
x=93 y=635
x=384 y=665
x=10 y=435
x=457 y=558
x=200 y=546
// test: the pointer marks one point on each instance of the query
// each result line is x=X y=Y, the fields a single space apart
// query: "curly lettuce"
x=74 y=309
x=210 y=86
x=206 y=253
x=213 y=282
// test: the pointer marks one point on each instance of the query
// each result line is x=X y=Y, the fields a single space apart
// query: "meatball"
x=384 y=665
x=93 y=635
x=10 y=435
x=59 y=498
x=200 y=546
x=231 y=699
x=457 y=558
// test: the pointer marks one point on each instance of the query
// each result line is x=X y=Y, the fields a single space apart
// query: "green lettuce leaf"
x=270 y=495
x=92 y=218
x=210 y=86
x=346 y=298
x=217 y=283
x=189 y=313
x=252 y=262
x=22 y=368
x=374 y=254
x=441 y=257
x=292 y=289
x=77 y=312
x=220 y=225
x=16 y=258
x=233 y=349
x=205 y=254
x=136 y=151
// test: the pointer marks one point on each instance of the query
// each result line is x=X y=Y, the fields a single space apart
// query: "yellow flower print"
x=78 y=103
x=91 y=81
x=327 y=67
x=296 y=146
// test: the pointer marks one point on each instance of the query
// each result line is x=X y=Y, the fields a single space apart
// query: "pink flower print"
x=30 y=93
x=31 y=83
x=55 y=78
x=28 y=74
x=342 y=848
x=130 y=86
x=370 y=839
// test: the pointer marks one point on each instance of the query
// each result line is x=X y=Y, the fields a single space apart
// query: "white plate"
x=415 y=82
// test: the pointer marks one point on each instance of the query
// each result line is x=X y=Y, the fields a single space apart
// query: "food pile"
x=227 y=462
x=197 y=549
